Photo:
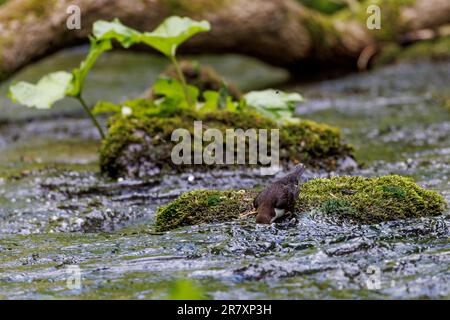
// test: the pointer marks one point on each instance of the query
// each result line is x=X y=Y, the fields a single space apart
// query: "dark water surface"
x=57 y=211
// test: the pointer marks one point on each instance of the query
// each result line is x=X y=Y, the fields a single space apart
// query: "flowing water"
x=57 y=212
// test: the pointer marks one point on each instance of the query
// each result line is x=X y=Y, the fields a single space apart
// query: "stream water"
x=57 y=211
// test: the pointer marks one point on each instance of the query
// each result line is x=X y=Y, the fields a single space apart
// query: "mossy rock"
x=370 y=200
x=140 y=146
x=204 y=206
x=354 y=199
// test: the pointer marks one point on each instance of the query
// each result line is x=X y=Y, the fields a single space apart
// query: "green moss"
x=203 y=206
x=23 y=9
x=447 y=104
x=192 y=7
x=370 y=200
x=436 y=49
x=356 y=199
x=322 y=31
x=392 y=25
x=324 y=6
x=337 y=206
x=140 y=140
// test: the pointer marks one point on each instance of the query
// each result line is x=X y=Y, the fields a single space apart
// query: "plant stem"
x=183 y=81
x=89 y=112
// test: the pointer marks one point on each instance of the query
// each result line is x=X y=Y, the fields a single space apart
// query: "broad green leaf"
x=173 y=32
x=211 y=101
x=273 y=99
x=45 y=93
x=215 y=100
x=115 y=30
x=79 y=74
x=172 y=89
x=272 y=103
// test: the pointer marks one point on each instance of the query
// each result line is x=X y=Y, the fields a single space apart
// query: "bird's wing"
x=257 y=199
x=282 y=197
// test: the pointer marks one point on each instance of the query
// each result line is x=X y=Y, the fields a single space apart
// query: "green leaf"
x=211 y=101
x=79 y=74
x=115 y=30
x=45 y=93
x=215 y=100
x=275 y=104
x=172 y=33
x=173 y=89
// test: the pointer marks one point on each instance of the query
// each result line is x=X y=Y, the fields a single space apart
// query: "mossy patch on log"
x=140 y=144
x=433 y=50
x=355 y=199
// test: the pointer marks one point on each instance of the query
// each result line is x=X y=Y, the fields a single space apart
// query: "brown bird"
x=279 y=198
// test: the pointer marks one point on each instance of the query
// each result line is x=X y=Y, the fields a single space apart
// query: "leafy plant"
x=169 y=36
x=170 y=93
x=58 y=85
x=166 y=38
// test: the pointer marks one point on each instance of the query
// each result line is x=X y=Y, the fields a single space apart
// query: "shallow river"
x=57 y=213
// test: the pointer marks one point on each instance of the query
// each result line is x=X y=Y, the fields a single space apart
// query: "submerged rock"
x=354 y=199
x=140 y=145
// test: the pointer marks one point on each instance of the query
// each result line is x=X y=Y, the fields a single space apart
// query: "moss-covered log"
x=296 y=36
x=355 y=199
x=140 y=145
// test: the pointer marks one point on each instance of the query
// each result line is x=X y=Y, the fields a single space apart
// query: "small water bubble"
x=191 y=178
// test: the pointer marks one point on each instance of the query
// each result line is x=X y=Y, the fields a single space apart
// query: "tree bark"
x=280 y=32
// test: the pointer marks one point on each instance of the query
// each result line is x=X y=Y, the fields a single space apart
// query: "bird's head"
x=265 y=213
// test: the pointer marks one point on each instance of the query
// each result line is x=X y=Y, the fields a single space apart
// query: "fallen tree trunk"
x=280 y=32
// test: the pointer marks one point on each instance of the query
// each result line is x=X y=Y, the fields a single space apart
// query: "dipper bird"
x=278 y=198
